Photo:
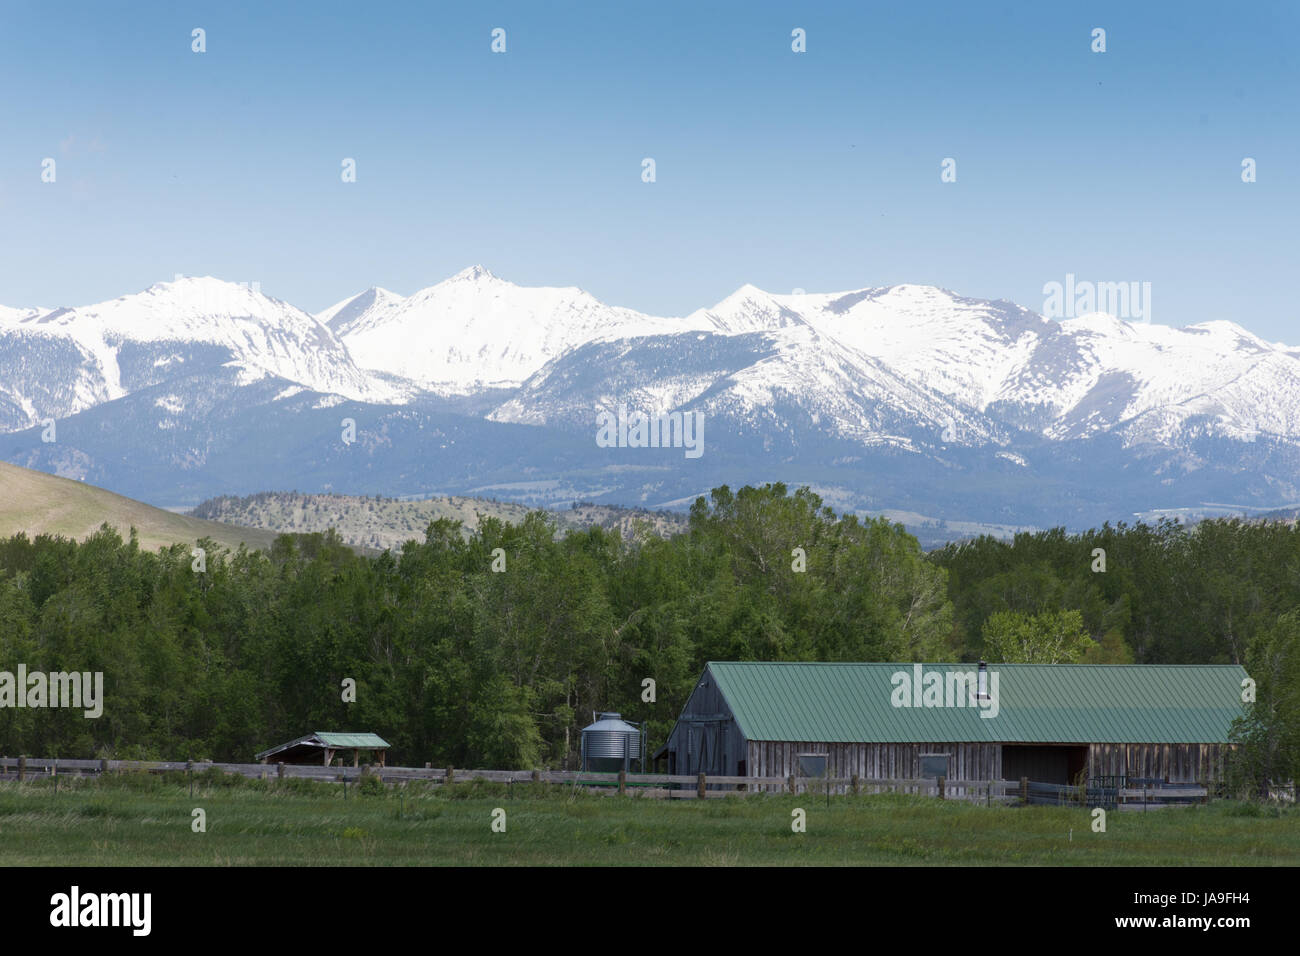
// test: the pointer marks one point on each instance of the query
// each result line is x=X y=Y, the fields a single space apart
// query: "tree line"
x=492 y=648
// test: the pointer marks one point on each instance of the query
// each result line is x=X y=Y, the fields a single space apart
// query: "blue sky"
x=817 y=170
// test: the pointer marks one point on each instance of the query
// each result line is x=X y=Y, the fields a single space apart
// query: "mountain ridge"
x=907 y=397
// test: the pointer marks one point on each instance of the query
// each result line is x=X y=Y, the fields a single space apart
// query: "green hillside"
x=36 y=503
x=390 y=522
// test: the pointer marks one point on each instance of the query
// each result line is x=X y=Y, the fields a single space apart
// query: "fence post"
x=622 y=782
x=22 y=767
x=1024 y=789
x=941 y=783
x=699 y=787
x=280 y=772
x=103 y=765
x=790 y=783
x=856 y=782
x=450 y=778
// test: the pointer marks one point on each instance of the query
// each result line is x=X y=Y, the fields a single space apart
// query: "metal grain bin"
x=610 y=744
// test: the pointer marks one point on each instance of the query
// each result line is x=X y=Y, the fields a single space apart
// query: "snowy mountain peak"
x=475 y=273
x=910 y=290
x=748 y=309
x=1232 y=334
x=1099 y=323
x=344 y=316
x=11 y=316
x=476 y=330
x=181 y=282
x=201 y=287
x=190 y=303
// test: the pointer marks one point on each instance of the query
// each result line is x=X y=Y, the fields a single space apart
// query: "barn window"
x=934 y=765
x=812 y=765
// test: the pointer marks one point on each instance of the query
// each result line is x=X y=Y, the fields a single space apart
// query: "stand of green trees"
x=491 y=649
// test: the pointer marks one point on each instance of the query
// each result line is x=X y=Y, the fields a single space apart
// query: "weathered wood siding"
x=706 y=738
x=1177 y=763
x=879 y=761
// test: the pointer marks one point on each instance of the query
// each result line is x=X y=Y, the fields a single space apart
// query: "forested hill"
x=377 y=522
x=491 y=649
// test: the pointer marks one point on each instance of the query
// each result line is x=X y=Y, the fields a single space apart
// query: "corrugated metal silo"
x=610 y=744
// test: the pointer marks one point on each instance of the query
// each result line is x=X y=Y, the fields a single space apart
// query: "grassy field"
x=37 y=503
x=146 y=820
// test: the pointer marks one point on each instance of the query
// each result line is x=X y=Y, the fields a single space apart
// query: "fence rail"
x=650 y=784
x=47 y=766
x=1154 y=794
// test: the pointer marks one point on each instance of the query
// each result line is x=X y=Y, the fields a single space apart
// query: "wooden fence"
x=646 y=784
x=1142 y=796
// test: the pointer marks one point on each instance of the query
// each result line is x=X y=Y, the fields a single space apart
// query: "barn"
x=1048 y=722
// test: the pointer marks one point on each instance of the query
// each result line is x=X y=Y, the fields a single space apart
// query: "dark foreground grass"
x=143 y=820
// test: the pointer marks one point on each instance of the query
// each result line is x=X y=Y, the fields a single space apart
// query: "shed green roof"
x=332 y=740
x=1037 y=703
x=350 y=739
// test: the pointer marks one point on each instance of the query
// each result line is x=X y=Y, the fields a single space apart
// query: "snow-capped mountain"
x=777 y=384
x=908 y=398
x=961 y=348
x=375 y=305
x=1069 y=379
x=63 y=361
x=476 y=331
x=1098 y=373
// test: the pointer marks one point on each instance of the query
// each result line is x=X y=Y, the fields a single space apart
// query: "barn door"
x=702 y=749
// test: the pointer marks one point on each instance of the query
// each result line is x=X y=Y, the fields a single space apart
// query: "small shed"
x=320 y=747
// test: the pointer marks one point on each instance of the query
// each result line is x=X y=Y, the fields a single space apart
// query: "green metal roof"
x=329 y=739
x=1037 y=703
x=350 y=740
